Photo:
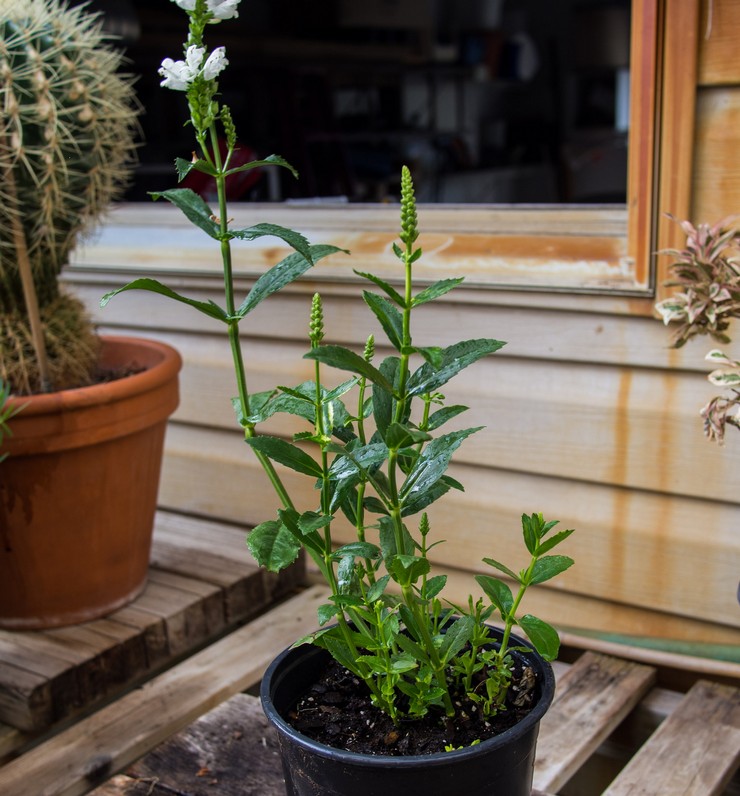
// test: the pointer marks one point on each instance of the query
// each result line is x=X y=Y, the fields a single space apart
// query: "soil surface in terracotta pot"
x=337 y=711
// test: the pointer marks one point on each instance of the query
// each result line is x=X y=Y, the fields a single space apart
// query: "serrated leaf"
x=434 y=586
x=294 y=239
x=273 y=546
x=388 y=316
x=283 y=273
x=194 y=208
x=384 y=286
x=344 y=359
x=153 y=286
x=434 y=355
x=548 y=567
x=436 y=290
x=455 y=358
x=287 y=454
x=497 y=592
x=433 y=461
x=456 y=637
x=423 y=499
x=544 y=637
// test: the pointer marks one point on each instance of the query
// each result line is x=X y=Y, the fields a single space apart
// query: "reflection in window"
x=489 y=101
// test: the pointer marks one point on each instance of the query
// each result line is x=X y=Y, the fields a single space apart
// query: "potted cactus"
x=94 y=409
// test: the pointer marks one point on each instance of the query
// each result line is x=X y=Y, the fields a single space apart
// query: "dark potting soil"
x=337 y=711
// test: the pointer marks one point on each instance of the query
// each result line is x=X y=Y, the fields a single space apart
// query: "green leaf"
x=497 y=592
x=344 y=359
x=531 y=531
x=456 y=637
x=441 y=416
x=285 y=272
x=294 y=239
x=436 y=290
x=273 y=546
x=311 y=521
x=270 y=160
x=455 y=358
x=194 y=207
x=357 y=550
x=400 y=436
x=434 y=355
x=501 y=568
x=184 y=167
x=326 y=613
x=384 y=286
x=358 y=460
x=153 y=286
x=548 y=567
x=433 y=461
x=383 y=398
x=375 y=592
x=283 y=452
x=410 y=647
x=421 y=500
x=434 y=586
x=388 y=316
x=347 y=581
x=559 y=537
x=544 y=637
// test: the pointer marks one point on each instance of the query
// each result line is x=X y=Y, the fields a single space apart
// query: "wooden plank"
x=636 y=548
x=716 y=177
x=89 y=752
x=591 y=699
x=693 y=753
x=25 y=698
x=720 y=31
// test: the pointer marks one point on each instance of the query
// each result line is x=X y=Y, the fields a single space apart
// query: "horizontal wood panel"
x=633 y=547
x=716 y=179
x=636 y=428
x=719 y=35
x=539 y=334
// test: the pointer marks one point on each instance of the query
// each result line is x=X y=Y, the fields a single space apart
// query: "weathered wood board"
x=202 y=582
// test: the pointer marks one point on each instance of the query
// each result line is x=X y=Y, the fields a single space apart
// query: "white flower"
x=186 y=5
x=222 y=9
x=215 y=64
x=176 y=75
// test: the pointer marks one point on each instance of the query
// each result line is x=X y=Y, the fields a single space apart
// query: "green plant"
x=707 y=271
x=373 y=448
x=66 y=141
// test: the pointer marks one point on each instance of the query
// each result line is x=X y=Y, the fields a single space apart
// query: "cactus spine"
x=67 y=132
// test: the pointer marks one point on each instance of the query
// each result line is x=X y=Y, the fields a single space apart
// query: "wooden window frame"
x=556 y=256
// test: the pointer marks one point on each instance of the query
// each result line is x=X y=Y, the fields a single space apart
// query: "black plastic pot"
x=499 y=766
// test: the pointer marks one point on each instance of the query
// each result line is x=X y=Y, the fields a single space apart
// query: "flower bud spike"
x=316 y=326
x=369 y=352
x=409 y=231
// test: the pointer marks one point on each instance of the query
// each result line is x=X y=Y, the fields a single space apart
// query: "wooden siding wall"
x=590 y=417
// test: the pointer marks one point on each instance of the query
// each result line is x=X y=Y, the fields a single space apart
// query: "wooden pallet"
x=190 y=731
x=694 y=751
x=202 y=583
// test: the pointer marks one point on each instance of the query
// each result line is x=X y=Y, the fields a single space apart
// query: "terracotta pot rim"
x=169 y=364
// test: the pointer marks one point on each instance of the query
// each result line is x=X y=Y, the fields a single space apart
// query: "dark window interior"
x=489 y=101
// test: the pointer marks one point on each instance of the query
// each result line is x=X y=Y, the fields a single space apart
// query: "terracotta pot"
x=78 y=491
